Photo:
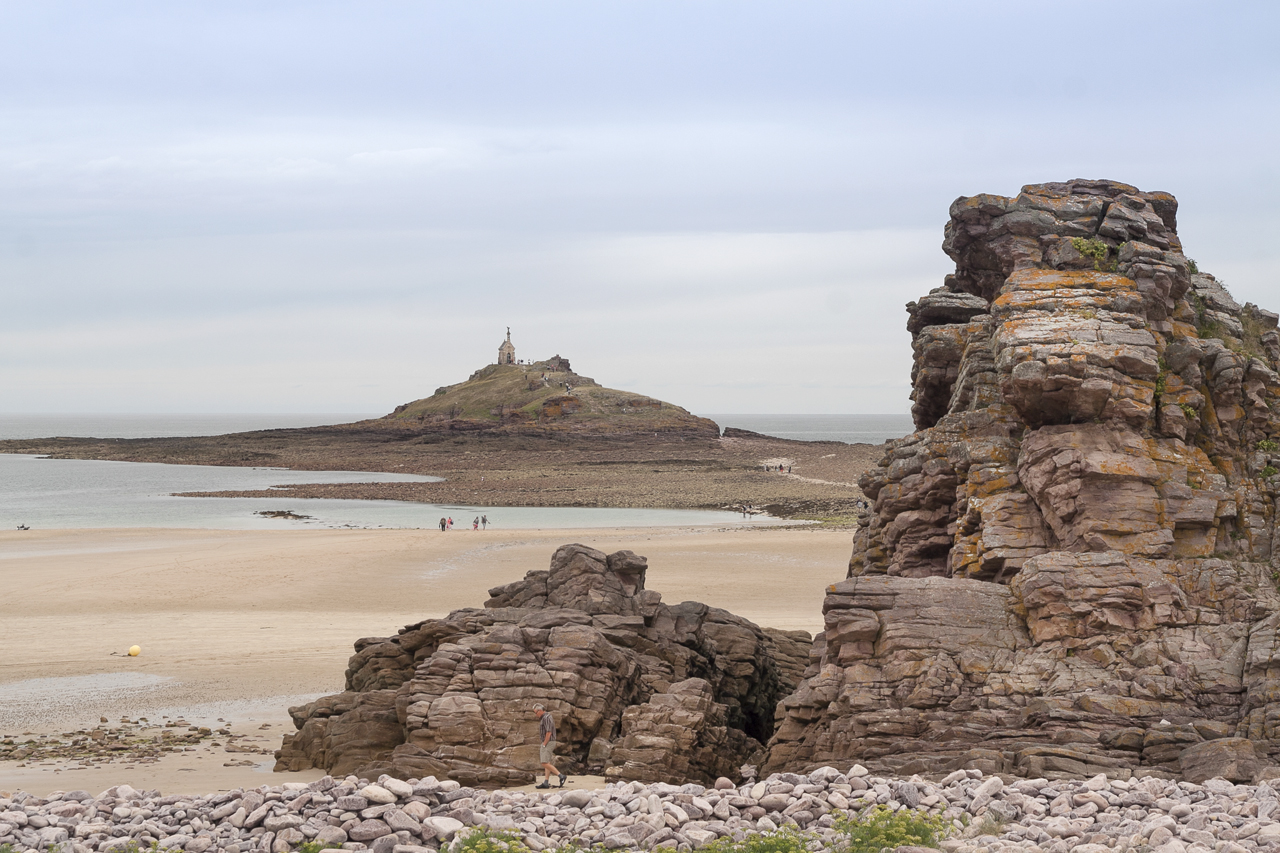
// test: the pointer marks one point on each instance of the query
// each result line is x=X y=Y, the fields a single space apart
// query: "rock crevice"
x=1070 y=566
x=639 y=689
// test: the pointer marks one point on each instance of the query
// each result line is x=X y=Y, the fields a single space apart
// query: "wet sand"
x=239 y=625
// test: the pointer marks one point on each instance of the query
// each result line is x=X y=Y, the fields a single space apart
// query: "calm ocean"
x=66 y=493
x=851 y=429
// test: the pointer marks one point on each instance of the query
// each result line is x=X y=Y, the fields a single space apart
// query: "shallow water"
x=49 y=689
x=75 y=493
x=39 y=701
x=91 y=425
x=850 y=429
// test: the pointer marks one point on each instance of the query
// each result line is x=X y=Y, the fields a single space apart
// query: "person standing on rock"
x=547 y=747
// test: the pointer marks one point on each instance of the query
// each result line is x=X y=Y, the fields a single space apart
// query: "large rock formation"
x=640 y=690
x=1070 y=566
x=545 y=398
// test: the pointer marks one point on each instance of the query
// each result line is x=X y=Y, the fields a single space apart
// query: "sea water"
x=849 y=429
x=91 y=425
x=77 y=493
x=68 y=493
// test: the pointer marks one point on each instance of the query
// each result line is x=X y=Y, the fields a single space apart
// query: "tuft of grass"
x=1269 y=471
x=991 y=825
x=1207 y=329
x=485 y=840
x=1192 y=266
x=786 y=840
x=1268 y=446
x=1254 y=329
x=1099 y=251
x=875 y=830
x=880 y=828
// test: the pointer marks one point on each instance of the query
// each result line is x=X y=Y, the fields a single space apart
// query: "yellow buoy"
x=134 y=651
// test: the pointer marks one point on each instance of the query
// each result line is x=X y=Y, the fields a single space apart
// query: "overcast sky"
x=311 y=206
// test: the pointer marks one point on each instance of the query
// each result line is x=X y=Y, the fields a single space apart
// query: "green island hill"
x=541 y=397
x=530 y=433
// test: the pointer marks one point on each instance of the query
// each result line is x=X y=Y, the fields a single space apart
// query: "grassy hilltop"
x=544 y=396
x=505 y=437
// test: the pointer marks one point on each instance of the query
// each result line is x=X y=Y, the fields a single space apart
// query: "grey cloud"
x=725 y=204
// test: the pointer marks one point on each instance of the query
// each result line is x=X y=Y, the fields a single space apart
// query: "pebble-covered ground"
x=986 y=814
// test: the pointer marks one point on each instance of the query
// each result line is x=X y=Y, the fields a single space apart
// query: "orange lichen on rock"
x=1091 y=492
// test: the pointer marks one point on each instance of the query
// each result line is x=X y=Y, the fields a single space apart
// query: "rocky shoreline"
x=985 y=814
x=129 y=741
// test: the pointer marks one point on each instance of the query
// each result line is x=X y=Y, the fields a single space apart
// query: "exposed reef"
x=1070 y=567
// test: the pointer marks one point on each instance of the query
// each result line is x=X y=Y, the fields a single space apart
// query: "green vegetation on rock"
x=1097 y=250
x=873 y=831
x=544 y=395
x=881 y=828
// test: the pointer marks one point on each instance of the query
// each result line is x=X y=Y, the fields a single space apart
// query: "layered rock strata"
x=639 y=689
x=1070 y=567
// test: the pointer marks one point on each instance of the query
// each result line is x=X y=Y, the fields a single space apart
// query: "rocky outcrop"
x=627 y=678
x=1069 y=568
x=542 y=398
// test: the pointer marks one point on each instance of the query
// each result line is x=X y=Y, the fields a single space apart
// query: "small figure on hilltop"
x=547 y=747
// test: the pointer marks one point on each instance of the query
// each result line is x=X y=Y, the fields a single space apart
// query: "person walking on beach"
x=484 y=522
x=475 y=523
x=442 y=525
x=450 y=527
x=547 y=747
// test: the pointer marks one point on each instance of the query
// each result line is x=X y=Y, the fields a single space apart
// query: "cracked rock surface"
x=1070 y=568
x=638 y=689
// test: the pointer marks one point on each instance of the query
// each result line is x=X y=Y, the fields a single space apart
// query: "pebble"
x=989 y=815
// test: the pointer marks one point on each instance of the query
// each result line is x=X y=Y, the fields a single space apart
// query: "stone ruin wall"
x=1071 y=566
x=640 y=690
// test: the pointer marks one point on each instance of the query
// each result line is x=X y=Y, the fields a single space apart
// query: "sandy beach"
x=236 y=626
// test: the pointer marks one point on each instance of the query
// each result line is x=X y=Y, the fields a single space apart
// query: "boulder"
x=1232 y=758
x=622 y=673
